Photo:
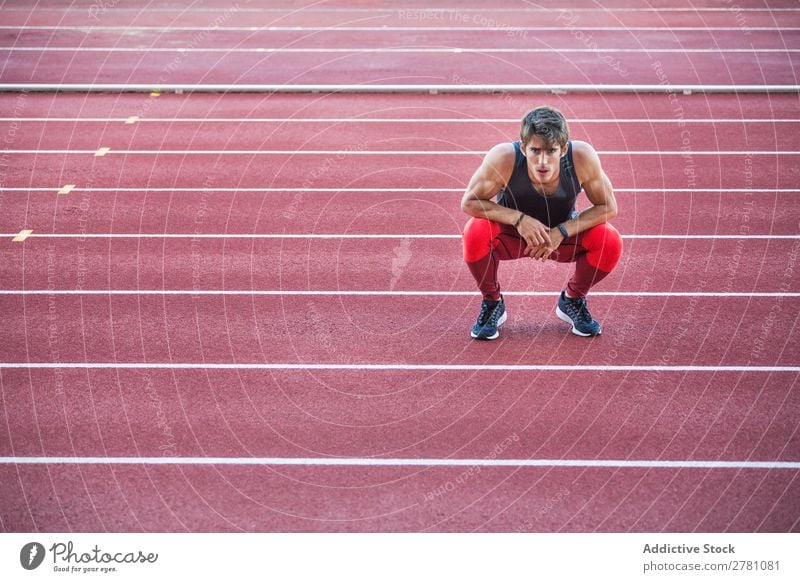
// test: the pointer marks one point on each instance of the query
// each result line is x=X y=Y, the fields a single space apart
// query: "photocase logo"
x=31 y=556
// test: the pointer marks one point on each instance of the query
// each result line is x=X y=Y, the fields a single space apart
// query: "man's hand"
x=554 y=239
x=534 y=233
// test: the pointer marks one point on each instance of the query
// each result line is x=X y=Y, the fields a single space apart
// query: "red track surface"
x=726 y=265
x=677 y=415
x=131 y=329
x=484 y=29
x=398 y=68
x=649 y=213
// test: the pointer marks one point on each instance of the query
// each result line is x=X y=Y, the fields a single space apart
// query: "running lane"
x=413 y=15
x=359 y=264
x=428 y=212
x=409 y=133
x=348 y=67
x=346 y=168
x=345 y=46
x=286 y=499
x=368 y=330
x=536 y=38
x=671 y=415
x=613 y=107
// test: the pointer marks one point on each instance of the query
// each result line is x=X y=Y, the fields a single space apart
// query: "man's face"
x=544 y=160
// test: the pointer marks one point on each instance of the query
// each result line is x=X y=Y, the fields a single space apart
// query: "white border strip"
x=283 y=120
x=381 y=367
x=307 y=152
x=408 y=88
x=389 y=462
x=338 y=293
x=373 y=236
x=390 y=50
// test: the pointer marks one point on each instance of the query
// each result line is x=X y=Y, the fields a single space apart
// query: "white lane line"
x=282 y=120
x=403 y=11
x=389 y=50
x=404 y=462
x=384 y=367
x=244 y=236
x=304 y=292
x=383 y=190
x=376 y=236
x=307 y=152
x=408 y=88
x=336 y=28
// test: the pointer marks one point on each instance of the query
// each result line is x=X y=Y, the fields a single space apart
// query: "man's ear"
x=564 y=149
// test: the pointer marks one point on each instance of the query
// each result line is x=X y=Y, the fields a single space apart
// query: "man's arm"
x=598 y=190
x=492 y=176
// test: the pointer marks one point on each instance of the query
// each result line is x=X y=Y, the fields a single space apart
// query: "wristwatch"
x=563 y=230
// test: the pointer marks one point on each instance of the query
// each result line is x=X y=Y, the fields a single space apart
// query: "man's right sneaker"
x=576 y=312
x=492 y=316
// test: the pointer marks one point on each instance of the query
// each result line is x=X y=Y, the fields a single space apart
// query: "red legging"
x=595 y=253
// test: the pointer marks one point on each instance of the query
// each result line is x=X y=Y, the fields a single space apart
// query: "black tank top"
x=520 y=194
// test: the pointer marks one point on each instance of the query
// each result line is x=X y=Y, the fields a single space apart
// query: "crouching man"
x=537 y=181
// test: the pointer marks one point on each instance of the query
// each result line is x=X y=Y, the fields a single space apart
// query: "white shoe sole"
x=496 y=335
x=564 y=317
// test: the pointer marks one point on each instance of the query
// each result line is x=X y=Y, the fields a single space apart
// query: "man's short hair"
x=546 y=122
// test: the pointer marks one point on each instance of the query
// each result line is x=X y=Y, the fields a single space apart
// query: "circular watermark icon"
x=31 y=555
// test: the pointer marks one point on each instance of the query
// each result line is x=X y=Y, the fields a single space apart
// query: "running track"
x=248 y=312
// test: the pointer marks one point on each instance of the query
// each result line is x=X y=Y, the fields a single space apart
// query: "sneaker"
x=576 y=312
x=492 y=315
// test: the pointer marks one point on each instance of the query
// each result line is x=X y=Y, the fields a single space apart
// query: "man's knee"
x=604 y=246
x=479 y=238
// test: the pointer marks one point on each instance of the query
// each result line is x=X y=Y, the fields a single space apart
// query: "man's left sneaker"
x=493 y=315
x=576 y=312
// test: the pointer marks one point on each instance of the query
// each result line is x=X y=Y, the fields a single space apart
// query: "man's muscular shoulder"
x=503 y=152
x=500 y=160
x=585 y=159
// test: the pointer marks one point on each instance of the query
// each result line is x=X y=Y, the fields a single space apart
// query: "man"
x=537 y=181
